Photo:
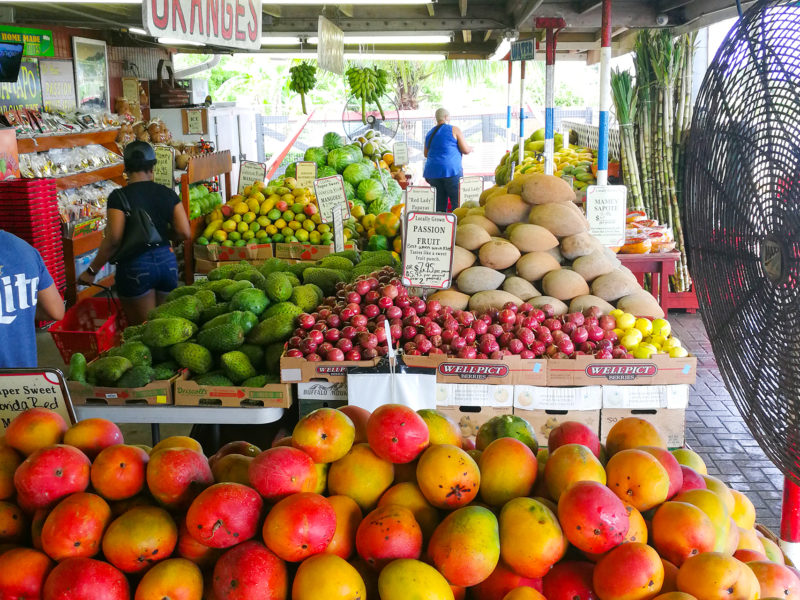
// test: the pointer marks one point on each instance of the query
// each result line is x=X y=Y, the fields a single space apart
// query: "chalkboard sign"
x=23 y=389
x=26 y=92
x=428 y=250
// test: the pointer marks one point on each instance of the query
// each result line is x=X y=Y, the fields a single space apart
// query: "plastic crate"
x=90 y=327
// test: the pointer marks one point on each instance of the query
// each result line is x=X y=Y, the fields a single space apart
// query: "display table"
x=660 y=266
x=200 y=415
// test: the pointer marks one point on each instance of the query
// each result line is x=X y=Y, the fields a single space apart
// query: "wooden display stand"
x=660 y=265
x=74 y=247
x=201 y=168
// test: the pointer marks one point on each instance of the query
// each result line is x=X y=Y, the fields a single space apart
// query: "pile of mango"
x=380 y=232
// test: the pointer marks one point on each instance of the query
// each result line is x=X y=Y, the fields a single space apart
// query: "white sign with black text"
x=331 y=197
x=606 y=208
x=249 y=173
x=420 y=199
x=400 y=153
x=428 y=249
x=469 y=189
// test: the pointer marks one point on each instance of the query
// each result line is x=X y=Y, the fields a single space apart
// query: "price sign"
x=22 y=389
x=400 y=153
x=428 y=249
x=606 y=206
x=420 y=199
x=338 y=231
x=164 y=170
x=250 y=172
x=130 y=90
x=305 y=174
x=331 y=197
x=195 y=121
x=469 y=189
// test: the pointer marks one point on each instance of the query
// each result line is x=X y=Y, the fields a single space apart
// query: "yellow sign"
x=130 y=90
x=194 y=121
x=164 y=171
x=23 y=389
x=305 y=174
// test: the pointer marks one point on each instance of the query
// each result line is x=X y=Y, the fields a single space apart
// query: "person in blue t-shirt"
x=444 y=145
x=27 y=293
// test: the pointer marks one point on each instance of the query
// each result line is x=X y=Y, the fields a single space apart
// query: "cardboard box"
x=586 y=370
x=471 y=405
x=545 y=408
x=297 y=370
x=320 y=394
x=662 y=405
x=189 y=393
x=217 y=253
x=154 y=393
x=511 y=371
x=302 y=251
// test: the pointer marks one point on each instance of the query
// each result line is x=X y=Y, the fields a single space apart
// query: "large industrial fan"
x=358 y=122
x=742 y=194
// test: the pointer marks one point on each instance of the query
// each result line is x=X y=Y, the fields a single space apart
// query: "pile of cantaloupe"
x=529 y=242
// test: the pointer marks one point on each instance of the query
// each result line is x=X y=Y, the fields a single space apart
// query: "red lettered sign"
x=227 y=23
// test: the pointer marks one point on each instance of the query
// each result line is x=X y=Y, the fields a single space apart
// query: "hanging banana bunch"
x=303 y=81
x=368 y=84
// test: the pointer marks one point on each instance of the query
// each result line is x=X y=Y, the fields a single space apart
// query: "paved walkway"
x=715 y=429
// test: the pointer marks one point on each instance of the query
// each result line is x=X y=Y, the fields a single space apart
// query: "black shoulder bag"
x=140 y=232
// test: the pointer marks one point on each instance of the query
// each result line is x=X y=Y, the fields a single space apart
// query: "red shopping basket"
x=90 y=327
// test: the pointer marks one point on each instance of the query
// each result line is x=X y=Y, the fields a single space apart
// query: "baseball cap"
x=139 y=156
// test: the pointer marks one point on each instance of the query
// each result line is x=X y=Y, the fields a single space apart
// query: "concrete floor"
x=714 y=427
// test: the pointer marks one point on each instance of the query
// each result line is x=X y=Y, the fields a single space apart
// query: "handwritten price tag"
x=606 y=206
x=305 y=174
x=400 y=153
x=164 y=169
x=428 y=251
x=250 y=172
x=420 y=199
x=194 y=122
x=331 y=197
x=469 y=189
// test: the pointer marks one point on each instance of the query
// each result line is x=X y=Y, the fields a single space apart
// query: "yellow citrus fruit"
x=678 y=352
x=644 y=325
x=626 y=321
x=629 y=341
x=661 y=327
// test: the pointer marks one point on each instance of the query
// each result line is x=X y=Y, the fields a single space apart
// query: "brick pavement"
x=715 y=429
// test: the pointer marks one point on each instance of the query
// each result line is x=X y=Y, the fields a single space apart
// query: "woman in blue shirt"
x=444 y=145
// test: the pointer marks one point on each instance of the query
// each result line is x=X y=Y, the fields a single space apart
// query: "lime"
x=228 y=244
x=277 y=238
x=254 y=226
x=248 y=235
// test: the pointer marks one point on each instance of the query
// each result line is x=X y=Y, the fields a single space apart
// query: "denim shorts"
x=155 y=269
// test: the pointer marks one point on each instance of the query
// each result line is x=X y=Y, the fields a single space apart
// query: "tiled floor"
x=715 y=429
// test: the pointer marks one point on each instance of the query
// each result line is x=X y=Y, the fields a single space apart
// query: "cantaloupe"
x=483 y=301
x=641 y=304
x=542 y=189
x=504 y=209
x=581 y=303
x=564 y=284
x=498 y=254
x=480 y=221
x=580 y=244
x=531 y=238
x=462 y=258
x=534 y=265
x=559 y=308
x=471 y=236
x=479 y=279
x=593 y=265
x=452 y=298
x=613 y=286
x=562 y=219
x=520 y=287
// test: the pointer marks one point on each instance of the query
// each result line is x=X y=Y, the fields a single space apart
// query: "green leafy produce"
x=193 y=356
x=136 y=377
x=332 y=140
x=106 y=370
x=136 y=352
x=237 y=366
x=222 y=338
x=160 y=333
x=356 y=173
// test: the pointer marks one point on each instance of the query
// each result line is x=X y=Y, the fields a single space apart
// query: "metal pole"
x=521 y=152
x=549 y=102
x=790 y=521
x=605 y=94
x=508 y=105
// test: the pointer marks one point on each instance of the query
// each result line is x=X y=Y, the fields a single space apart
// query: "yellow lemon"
x=626 y=321
x=644 y=325
x=671 y=342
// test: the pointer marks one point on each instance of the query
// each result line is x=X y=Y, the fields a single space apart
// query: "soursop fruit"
x=160 y=333
x=192 y=356
x=237 y=366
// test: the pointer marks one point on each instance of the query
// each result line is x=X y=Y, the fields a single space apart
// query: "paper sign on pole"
x=330 y=197
x=249 y=173
x=305 y=174
x=400 y=153
x=23 y=389
x=606 y=207
x=428 y=249
x=338 y=231
x=420 y=199
x=226 y=23
x=469 y=189
x=164 y=169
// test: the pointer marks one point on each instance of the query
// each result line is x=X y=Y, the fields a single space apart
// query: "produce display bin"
x=299 y=251
x=656 y=370
x=662 y=405
x=471 y=405
x=297 y=370
x=249 y=252
x=545 y=408
x=513 y=370
x=155 y=393
x=189 y=393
